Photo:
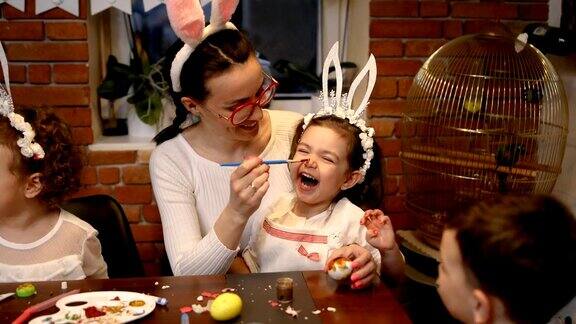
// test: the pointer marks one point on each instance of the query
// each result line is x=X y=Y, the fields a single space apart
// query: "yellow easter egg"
x=226 y=306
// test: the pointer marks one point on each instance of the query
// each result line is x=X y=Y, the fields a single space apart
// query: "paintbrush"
x=234 y=164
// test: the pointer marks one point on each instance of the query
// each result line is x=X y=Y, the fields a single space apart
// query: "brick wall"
x=48 y=57
x=403 y=34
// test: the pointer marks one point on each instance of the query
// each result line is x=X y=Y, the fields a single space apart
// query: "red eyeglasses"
x=242 y=111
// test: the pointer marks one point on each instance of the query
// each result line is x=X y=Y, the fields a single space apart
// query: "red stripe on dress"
x=298 y=237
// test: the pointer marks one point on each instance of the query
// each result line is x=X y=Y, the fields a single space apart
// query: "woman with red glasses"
x=208 y=211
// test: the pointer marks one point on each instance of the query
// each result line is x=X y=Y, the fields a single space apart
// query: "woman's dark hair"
x=512 y=245
x=212 y=57
x=368 y=194
x=61 y=165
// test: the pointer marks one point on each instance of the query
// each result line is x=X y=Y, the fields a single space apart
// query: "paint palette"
x=100 y=307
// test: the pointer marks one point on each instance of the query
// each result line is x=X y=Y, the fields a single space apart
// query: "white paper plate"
x=75 y=305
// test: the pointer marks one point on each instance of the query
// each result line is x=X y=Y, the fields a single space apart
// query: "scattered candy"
x=208 y=294
x=63 y=285
x=199 y=309
x=291 y=311
x=25 y=290
x=200 y=298
x=162 y=301
x=186 y=309
x=165 y=287
x=156 y=283
x=273 y=303
x=316 y=312
x=331 y=309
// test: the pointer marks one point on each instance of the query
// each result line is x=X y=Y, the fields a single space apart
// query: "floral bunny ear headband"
x=187 y=20
x=28 y=147
x=340 y=105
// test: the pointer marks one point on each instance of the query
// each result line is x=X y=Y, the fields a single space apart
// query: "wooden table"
x=312 y=291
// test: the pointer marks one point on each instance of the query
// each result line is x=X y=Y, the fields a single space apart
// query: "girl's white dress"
x=287 y=242
x=70 y=251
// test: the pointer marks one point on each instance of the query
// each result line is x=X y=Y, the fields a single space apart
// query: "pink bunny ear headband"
x=28 y=147
x=187 y=20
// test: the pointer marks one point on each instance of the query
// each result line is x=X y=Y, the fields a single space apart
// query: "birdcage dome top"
x=491 y=56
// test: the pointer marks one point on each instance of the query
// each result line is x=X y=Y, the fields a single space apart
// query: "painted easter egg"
x=340 y=268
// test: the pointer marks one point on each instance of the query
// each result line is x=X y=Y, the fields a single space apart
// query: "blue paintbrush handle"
x=234 y=164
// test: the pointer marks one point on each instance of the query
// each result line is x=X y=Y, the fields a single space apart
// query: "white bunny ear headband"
x=340 y=105
x=28 y=147
x=187 y=20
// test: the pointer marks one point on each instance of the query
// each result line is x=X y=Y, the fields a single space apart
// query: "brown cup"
x=284 y=289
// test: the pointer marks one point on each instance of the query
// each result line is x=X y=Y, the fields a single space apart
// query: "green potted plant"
x=141 y=81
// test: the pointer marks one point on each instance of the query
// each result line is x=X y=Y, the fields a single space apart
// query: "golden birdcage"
x=486 y=114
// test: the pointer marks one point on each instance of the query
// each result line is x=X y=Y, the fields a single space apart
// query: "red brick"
x=147 y=232
x=89 y=191
x=82 y=135
x=389 y=146
x=148 y=251
x=483 y=26
x=385 y=88
x=393 y=166
x=47 y=52
x=136 y=174
x=391 y=186
x=404 y=86
x=383 y=127
x=88 y=176
x=133 y=213
x=51 y=96
x=111 y=157
x=394 y=9
x=20 y=30
x=75 y=116
x=17 y=73
x=394 y=204
x=433 y=9
x=398 y=67
x=71 y=73
x=385 y=48
x=143 y=156
x=493 y=10
x=385 y=108
x=533 y=11
x=422 y=48
x=151 y=213
x=109 y=175
x=406 y=28
x=66 y=31
x=9 y=12
x=39 y=73
x=134 y=194
x=452 y=29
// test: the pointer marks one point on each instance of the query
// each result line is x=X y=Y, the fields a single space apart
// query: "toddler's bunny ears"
x=340 y=105
x=187 y=20
x=28 y=147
